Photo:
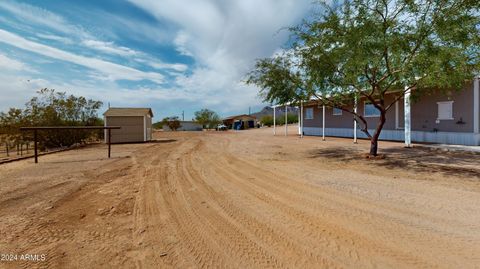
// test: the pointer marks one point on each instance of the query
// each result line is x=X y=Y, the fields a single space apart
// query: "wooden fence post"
x=35 y=145
x=109 y=142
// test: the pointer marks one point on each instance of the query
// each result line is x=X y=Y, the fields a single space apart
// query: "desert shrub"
x=207 y=118
x=172 y=122
x=51 y=108
x=280 y=120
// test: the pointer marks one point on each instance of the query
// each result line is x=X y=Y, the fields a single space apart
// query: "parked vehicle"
x=221 y=127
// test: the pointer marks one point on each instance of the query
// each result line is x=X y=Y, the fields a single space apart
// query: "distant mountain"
x=268 y=111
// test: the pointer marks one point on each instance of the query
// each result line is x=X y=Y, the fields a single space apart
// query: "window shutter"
x=445 y=110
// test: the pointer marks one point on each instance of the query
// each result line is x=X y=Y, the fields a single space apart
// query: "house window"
x=337 y=111
x=370 y=110
x=309 y=113
x=445 y=110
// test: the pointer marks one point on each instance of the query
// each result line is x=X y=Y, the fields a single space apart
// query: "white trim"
x=458 y=138
x=407 y=124
x=444 y=103
x=355 y=121
x=323 y=123
x=144 y=128
x=476 y=105
x=298 y=122
x=312 y=115
x=364 y=110
x=301 y=119
x=339 y=112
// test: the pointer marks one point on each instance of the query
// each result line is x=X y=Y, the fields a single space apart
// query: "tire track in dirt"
x=208 y=200
x=269 y=181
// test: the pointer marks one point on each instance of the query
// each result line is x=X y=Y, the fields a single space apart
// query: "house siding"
x=424 y=112
x=424 y=116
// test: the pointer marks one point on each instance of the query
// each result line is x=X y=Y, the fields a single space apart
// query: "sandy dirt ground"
x=242 y=200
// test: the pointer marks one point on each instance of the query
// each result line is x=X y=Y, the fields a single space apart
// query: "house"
x=135 y=123
x=186 y=126
x=452 y=118
x=240 y=122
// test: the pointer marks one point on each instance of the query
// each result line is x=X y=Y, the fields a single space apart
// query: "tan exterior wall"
x=332 y=121
x=131 y=131
x=149 y=128
x=424 y=114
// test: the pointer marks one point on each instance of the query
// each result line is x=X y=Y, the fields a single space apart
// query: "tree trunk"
x=376 y=135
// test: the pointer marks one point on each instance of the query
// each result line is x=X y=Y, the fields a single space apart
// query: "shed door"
x=131 y=129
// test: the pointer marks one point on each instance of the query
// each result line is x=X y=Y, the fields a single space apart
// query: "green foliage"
x=52 y=108
x=158 y=125
x=172 y=122
x=207 y=118
x=280 y=120
x=267 y=120
x=368 y=48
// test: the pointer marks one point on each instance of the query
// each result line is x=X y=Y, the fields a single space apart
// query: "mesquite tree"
x=366 y=49
x=207 y=118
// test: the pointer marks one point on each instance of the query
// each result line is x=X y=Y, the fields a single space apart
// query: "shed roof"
x=128 y=111
x=240 y=116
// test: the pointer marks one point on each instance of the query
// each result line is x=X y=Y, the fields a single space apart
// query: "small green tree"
x=267 y=120
x=172 y=122
x=207 y=118
x=51 y=108
x=370 y=48
x=158 y=125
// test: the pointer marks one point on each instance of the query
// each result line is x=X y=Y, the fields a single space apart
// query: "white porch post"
x=323 y=123
x=476 y=105
x=408 y=139
x=274 y=121
x=286 y=123
x=301 y=119
x=298 y=120
x=355 y=122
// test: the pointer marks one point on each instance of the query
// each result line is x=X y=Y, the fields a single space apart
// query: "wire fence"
x=17 y=149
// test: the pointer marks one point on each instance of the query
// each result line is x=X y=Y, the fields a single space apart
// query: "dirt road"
x=242 y=200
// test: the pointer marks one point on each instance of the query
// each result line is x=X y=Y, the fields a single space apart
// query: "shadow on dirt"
x=162 y=141
x=89 y=160
x=419 y=159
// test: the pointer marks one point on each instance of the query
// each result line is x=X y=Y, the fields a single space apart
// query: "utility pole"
x=249 y=112
x=183 y=115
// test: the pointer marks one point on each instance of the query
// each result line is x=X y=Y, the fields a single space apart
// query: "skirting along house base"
x=452 y=118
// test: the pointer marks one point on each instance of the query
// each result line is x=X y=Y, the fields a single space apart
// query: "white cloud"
x=9 y=64
x=109 y=47
x=39 y=16
x=225 y=38
x=62 y=39
x=180 y=42
x=110 y=70
x=157 y=64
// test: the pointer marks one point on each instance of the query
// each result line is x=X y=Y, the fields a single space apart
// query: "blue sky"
x=171 y=55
